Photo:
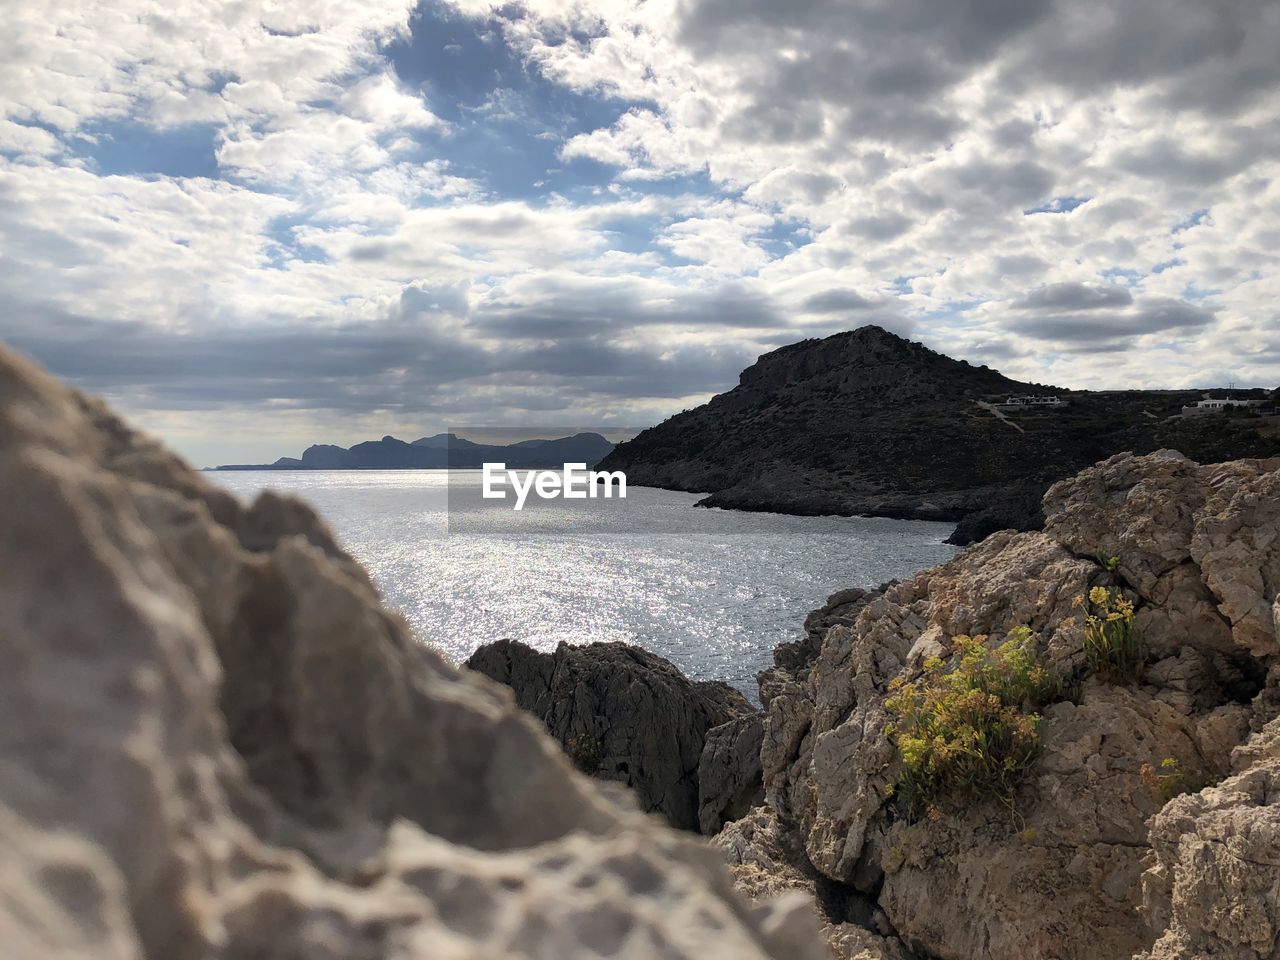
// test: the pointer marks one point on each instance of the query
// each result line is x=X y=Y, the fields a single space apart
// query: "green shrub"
x=968 y=730
x=1113 y=644
x=584 y=750
x=1170 y=779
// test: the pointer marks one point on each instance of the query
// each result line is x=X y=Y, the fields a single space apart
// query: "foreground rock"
x=625 y=714
x=766 y=862
x=1215 y=888
x=218 y=744
x=1090 y=863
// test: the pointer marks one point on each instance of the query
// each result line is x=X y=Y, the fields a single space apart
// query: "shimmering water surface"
x=711 y=590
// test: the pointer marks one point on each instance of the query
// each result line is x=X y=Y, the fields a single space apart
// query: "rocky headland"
x=441 y=451
x=869 y=423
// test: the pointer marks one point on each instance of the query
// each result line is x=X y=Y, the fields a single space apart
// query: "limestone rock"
x=1236 y=542
x=987 y=881
x=624 y=714
x=766 y=862
x=729 y=781
x=1214 y=890
x=218 y=745
x=1139 y=509
x=1058 y=875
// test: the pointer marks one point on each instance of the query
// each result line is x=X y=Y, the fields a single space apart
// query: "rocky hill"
x=218 y=745
x=867 y=422
x=441 y=451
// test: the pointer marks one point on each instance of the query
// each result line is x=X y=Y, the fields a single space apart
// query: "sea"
x=713 y=591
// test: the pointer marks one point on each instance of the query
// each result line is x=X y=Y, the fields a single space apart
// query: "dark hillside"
x=867 y=422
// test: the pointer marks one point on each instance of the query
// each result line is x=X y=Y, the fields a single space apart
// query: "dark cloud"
x=1067 y=317
x=878 y=69
x=815 y=186
x=836 y=301
x=1020 y=265
x=1213 y=57
x=882 y=228
x=613 y=308
x=417 y=358
x=884 y=69
x=1075 y=296
x=992 y=351
x=1173 y=162
x=775 y=123
x=1009 y=183
x=901 y=121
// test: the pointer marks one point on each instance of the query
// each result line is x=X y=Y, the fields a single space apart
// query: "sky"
x=255 y=225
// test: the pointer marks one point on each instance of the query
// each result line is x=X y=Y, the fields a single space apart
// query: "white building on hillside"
x=1033 y=401
x=1215 y=405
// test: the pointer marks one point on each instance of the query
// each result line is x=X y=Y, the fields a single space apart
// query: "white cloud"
x=897 y=146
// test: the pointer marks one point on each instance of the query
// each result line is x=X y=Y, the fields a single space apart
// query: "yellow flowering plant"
x=968 y=728
x=1113 y=644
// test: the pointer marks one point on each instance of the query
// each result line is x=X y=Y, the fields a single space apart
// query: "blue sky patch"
x=1126 y=275
x=785 y=236
x=129 y=148
x=507 y=122
x=1193 y=220
x=1058 y=205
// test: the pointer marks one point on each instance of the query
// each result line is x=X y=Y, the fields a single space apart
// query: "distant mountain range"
x=868 y=423
x=440 y=451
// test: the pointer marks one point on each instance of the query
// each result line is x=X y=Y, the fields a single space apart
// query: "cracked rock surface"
x=1095 y=861
x=217 y=744
x=629 y=715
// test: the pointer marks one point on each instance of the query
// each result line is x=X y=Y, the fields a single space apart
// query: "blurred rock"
x=218 y=745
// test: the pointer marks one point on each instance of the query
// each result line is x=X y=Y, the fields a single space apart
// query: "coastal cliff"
x=217 y=743
x=869 y=423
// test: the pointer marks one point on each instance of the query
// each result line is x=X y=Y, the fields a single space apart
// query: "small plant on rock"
x=1170 y=779
x=584 y=750
x=1113 y=644
x=969 y=729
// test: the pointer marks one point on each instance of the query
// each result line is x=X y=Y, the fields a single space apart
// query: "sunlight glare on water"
x=711 y=590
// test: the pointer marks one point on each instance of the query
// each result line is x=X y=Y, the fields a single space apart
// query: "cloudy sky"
x=255 y=225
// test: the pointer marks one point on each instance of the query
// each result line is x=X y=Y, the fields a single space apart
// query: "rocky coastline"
x=867 y=423
x=1149 y=825
x=219 y=744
